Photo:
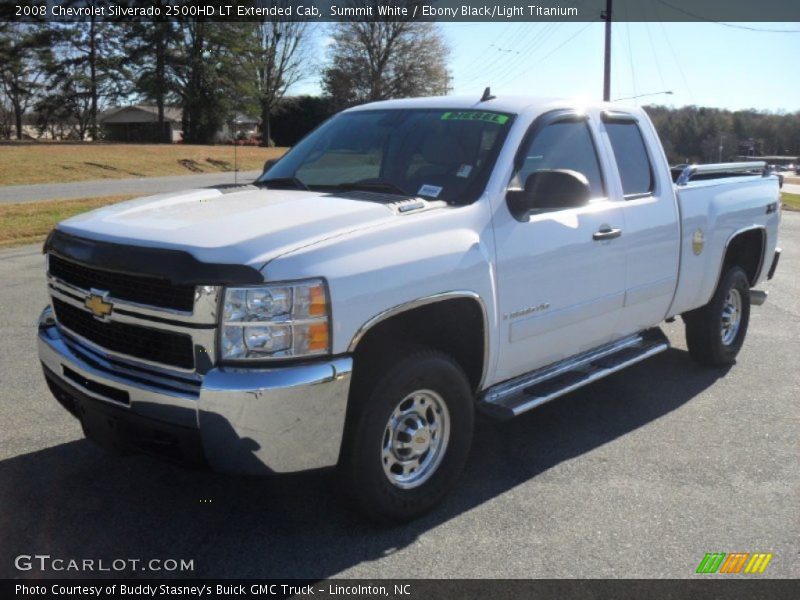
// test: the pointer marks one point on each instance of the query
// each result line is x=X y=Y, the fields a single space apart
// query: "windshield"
x=435 y=154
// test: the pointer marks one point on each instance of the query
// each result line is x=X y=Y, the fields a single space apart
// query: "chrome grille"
x=136 y=338
x=154 y=345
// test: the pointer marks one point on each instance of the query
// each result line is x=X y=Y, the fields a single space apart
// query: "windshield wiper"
x=374 y=186
x=279 y=182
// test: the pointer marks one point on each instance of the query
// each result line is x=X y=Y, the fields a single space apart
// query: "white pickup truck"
x=406 y=264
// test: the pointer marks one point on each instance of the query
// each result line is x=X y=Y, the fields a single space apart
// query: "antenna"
x=487 y=95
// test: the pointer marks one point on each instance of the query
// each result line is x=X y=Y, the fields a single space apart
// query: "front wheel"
x=715 y=332
x=410 y=436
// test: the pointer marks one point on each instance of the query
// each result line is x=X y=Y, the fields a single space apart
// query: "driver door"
x=560 y=271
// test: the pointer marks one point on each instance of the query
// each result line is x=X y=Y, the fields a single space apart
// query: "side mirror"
x=551 y=189
x=269 y=164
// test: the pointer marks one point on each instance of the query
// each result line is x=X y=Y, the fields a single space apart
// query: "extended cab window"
x=631 y=156
x=565 y=145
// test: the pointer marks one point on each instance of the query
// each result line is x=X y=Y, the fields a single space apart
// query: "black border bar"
x=732 y=588
x=494 y=11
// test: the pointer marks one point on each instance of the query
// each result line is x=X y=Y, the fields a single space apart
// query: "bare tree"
x=381 y=59
x=277 y=56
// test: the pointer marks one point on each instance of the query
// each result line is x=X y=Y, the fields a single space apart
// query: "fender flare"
x=424 y=301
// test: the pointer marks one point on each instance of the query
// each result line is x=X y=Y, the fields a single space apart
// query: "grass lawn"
x=30 y=222
x=43 y=162
x=790 y=201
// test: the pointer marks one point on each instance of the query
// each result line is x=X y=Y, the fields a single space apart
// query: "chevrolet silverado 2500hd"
x=405 y=264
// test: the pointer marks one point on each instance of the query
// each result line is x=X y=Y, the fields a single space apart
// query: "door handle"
x=606 y=233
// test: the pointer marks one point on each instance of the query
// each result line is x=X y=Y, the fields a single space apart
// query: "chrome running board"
x=521 y=394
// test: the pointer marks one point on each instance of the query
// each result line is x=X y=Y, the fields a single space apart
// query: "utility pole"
x=606 y=15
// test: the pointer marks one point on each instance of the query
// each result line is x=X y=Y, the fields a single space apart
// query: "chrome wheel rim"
x=415 y=439
x=731 y=316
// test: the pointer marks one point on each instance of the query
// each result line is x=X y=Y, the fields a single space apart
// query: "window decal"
x=470 y=115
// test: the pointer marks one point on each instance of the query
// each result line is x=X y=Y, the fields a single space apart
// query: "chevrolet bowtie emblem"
x=97 y=303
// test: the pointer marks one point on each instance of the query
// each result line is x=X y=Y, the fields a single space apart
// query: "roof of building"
x=140 y=113
x=146 y=113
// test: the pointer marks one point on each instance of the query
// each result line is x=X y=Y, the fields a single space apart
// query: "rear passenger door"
x=652 y=230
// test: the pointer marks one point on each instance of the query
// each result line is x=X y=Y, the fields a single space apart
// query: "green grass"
x=790 y=201
x=53 y=162
x=30 y=222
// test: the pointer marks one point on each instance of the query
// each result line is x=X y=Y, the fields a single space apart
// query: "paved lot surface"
x=636 y=476
x=118 y=187
x=791 y=188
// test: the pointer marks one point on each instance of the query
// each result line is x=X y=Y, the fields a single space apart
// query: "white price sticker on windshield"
x=430 y=190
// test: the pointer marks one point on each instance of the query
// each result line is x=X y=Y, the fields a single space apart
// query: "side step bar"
x=521 y=394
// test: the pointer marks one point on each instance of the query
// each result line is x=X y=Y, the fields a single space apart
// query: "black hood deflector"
x=177 y=266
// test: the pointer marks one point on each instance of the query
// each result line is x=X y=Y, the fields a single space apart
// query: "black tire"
x=704 y=326
x=361 y=466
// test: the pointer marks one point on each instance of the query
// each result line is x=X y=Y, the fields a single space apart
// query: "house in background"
x=241 y=127
x=139 y=123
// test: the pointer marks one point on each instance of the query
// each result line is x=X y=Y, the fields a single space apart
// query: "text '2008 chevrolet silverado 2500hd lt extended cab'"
x=405 y=264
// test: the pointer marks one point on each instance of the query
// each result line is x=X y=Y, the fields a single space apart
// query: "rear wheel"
x=409 y=437
x=715 y=332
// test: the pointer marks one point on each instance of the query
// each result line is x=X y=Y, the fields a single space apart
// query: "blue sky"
x=706 y=64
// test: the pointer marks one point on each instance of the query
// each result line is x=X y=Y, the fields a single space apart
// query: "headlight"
x=284 y=320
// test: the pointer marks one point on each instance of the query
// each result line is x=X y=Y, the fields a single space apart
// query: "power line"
x=517 y=37
x=481 y=53
x=511 y=66
x=534 y=44
x=655 y=54
x=677 y=62
x=630 y=51
x=731 y=25
x=556 y=49
x=490 y=59
x=511 y=63
x=480 y=71
x=564 y=43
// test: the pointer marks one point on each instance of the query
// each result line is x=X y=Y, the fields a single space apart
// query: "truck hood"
x=246 y=226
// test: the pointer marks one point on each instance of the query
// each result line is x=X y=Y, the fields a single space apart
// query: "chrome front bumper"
x=276 y=420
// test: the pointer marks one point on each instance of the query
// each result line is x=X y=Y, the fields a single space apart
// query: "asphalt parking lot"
x=638 y=475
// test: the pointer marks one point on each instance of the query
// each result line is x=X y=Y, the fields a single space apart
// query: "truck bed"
x=715 y=203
